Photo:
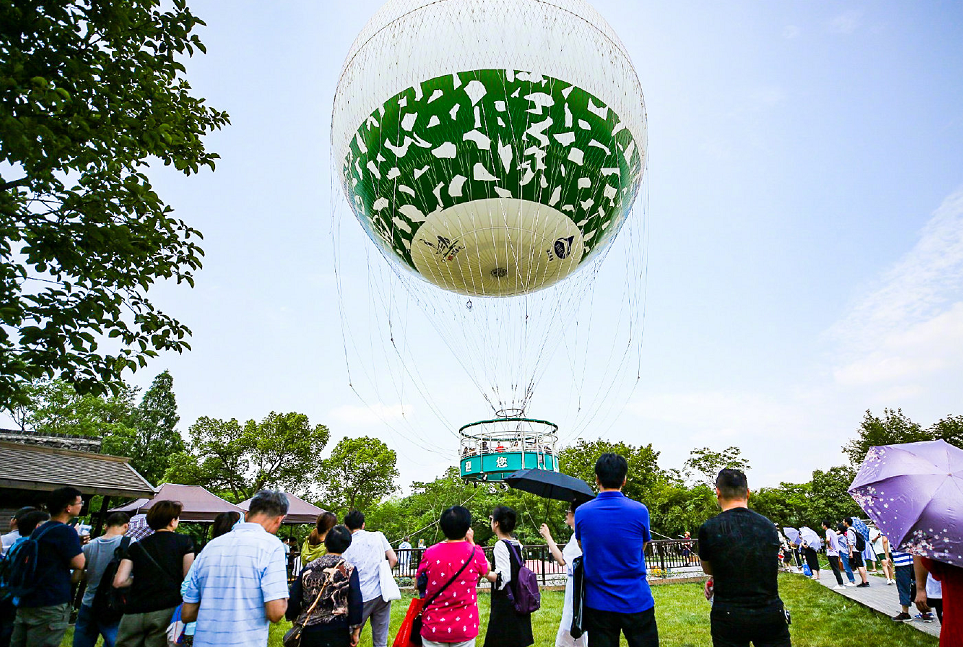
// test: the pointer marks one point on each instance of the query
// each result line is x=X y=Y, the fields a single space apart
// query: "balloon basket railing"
x=492 y=450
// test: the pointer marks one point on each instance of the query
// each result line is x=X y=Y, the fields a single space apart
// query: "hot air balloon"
x=492 y=150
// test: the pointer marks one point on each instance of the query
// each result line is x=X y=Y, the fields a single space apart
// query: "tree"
x=704 y=464
x=892 y=429
x=949 y=429
x=281 y=451
x=360 y=472
x=156 y=422
x=57 y=408
x=829 y=496
x=644 y=472
x=90 y=92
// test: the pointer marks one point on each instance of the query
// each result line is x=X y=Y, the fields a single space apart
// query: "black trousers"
x=834 y=564
x=812 y=559
x=604 y=628
x=736 y=627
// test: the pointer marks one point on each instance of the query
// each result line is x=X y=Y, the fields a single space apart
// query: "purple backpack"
x=525 y=595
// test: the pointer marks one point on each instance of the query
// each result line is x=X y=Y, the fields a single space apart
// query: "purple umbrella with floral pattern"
x=914 y=493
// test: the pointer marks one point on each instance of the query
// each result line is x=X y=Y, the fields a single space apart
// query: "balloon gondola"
x=492 y=450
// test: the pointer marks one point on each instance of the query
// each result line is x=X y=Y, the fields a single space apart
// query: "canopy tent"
x=199 y=504
x=299 y=510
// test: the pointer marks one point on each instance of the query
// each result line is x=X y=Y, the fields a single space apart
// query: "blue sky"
x=805 y=229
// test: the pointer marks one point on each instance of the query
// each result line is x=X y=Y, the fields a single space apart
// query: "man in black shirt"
x=739 y=549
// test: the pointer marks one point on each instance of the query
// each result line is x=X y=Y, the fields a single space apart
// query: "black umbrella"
x=551 y=485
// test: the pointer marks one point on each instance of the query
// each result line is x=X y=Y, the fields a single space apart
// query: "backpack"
x=525 y=597
x=860 y=542
x=109 y=602
x=18 y=573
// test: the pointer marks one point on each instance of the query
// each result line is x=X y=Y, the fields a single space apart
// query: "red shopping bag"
x=409 y=634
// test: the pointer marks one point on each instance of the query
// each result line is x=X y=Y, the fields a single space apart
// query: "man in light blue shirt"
x=238 y=585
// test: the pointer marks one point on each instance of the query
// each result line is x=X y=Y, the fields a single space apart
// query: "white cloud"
x=369 y=415
x=790 y=32
x=846 y=22
x=911 y=325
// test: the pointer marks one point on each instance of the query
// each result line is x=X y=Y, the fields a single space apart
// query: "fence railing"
x=663 y=558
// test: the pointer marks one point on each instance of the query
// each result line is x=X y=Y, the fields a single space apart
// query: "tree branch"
x=14 y=184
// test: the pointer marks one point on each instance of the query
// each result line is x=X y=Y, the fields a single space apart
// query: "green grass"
x=819 y=618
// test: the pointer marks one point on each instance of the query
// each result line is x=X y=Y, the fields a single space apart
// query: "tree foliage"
x=282 y=451
x=704 y=464
x=156 y=422
x=359 y=472
x=892 y=429
x=90 y=93
x=55 y=407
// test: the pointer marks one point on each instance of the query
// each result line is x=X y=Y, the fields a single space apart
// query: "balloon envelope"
x=492 y=147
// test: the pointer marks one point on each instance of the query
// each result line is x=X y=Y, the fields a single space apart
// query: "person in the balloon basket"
x=739 y=550
x=613 y=531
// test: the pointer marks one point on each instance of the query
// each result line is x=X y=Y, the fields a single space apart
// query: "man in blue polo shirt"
x=613 y=530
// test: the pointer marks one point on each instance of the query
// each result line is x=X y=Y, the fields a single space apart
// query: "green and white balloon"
x=492 y=147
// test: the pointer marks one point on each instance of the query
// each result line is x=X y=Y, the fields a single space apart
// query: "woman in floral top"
x=451 y=619
x=335 y=620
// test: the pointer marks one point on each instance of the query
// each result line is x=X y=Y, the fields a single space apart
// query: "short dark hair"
x=30 y=520
x=841 y=527
x=338 y=539
x=505 y=517
x=827 y=523
x=573 y=506
x=848 y=521
x=22 y=511
x=732 y=484
x=270 y=503
x=162 y=513
x=455 y=522
x=611 y=470
x=224 y=523
x=354 y=520
x=60 y=498
x=115 y=519
x=326 y=521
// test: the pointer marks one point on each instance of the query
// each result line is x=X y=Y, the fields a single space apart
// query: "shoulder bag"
x=293 y=636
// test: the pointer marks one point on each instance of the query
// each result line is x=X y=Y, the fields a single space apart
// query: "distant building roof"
x=63 y=441
x=33 y=467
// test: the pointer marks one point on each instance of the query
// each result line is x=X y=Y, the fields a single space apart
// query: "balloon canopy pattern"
x=492 y=147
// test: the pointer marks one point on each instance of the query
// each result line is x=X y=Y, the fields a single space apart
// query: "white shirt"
x=366 y=552
x=8 y=540
x=503 y=561
x=933 y=587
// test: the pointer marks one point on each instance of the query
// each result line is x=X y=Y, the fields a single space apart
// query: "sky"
x=804 y=231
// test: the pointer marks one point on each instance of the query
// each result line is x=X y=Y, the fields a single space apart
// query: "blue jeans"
x=846 y=567
x=88 y=629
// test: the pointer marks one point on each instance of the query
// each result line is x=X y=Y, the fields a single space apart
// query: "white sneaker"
x=888 y=582
x=839 y=587
x=850 y=583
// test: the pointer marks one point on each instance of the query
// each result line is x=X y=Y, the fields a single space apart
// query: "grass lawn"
x=819 y=618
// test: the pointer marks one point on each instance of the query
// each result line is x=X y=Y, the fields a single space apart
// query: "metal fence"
x=663 y=558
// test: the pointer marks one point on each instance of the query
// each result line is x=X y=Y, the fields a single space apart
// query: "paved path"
x=880 y=597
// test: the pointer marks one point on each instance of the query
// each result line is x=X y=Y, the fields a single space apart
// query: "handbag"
x=578 y=598
x=292 y=638
x=409 y=634
x=175 y=630
x=389 y=588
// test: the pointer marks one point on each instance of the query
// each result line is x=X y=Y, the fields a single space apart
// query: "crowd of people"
x=155 y=587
